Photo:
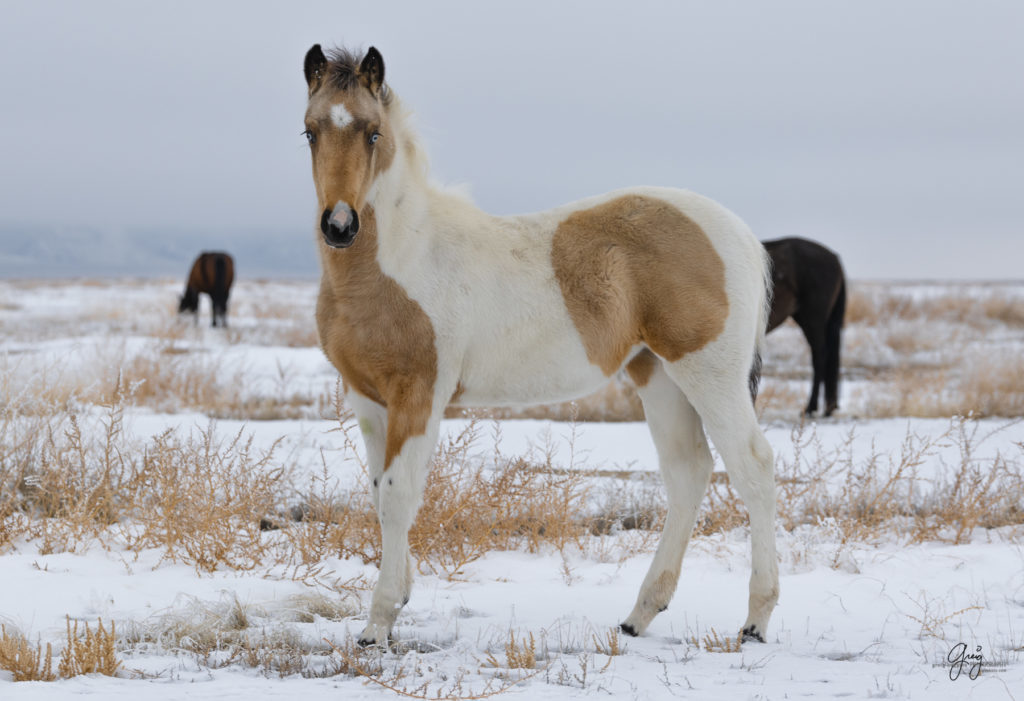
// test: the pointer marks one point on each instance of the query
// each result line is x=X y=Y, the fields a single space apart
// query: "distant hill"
x=34 y=250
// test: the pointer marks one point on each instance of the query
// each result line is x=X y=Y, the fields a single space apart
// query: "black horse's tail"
x=833 y=341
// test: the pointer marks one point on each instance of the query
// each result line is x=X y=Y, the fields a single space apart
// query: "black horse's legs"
x=814 y=332
x=220 y=310
x=831 y=377
x=833 y=342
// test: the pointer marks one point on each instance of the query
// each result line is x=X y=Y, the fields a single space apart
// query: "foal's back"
x=548 y=306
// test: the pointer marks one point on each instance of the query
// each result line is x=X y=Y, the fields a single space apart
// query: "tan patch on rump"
x=637 y=270
x=379 y=339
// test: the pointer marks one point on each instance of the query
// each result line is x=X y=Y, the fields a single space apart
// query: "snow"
x=855 y=619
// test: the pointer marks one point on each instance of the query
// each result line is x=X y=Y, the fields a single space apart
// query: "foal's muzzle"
x=339 y=226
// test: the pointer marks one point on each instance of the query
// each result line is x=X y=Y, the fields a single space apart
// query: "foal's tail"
x=764 y=312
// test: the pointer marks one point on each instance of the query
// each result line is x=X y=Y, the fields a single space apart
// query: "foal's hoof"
x=629 y=630
x=373 y=635
x=751 y=633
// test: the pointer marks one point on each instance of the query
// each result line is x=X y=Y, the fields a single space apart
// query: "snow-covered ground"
x=872 y=614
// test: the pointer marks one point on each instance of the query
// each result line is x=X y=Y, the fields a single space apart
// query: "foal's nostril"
x=354 y=226
x=325 y=221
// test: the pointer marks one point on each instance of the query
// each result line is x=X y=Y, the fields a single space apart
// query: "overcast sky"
x=892 y=132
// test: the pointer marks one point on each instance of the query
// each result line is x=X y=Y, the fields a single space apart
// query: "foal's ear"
x=315 y=67
x=371 y=71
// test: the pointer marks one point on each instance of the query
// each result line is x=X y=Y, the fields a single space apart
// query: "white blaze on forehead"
x=340 y=116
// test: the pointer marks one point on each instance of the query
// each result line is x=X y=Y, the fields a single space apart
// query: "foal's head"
x=349 y=135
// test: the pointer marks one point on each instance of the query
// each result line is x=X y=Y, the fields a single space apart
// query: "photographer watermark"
x=963 y=660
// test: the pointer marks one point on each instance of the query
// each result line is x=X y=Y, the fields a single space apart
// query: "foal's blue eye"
x=374 y=138
x=310 y=137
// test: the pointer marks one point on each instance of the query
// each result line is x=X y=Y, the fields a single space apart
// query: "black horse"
x=809 y=286
x=212 y=273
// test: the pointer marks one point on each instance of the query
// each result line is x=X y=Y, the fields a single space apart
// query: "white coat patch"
x=340 y=116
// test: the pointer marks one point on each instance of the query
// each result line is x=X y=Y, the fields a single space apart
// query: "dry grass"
x=861 y=498
x=470 y=507
x=519 y=654
x=25 y=662
x=74 y=478
x=409 y=676
x=89 y=653
x=71 y=478
x=712 y=642
x=932 y=617
x=229 y=633
x=989 y=385
x=878 y=305
x=893 y=333
x=851 y=497
x=610 y=643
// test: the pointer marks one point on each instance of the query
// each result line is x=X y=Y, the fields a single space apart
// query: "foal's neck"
x=409 y=207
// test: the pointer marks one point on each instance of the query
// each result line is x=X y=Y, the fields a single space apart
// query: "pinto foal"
x=427 y=301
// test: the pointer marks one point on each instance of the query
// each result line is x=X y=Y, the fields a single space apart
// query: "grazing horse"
x=212 y=273
x=809 y=285
x=426 y=301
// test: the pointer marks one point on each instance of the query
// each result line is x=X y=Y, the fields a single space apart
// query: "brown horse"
x=810 y=287
x=212 y=273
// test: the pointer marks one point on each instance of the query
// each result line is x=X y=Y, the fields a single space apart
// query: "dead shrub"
x=860 y=306
x=75 y=475
x=78 y=478
x=519 y=654
x=610 y=643
x=89 y=653
x=973 y=493
x=979 y=385
x=779 y=399
x=713 y=642
x=1003 y=308
x=470 y=508
x=26 y=663
x=201 y=499
x=994 y=386
x=170 y=381
x=881 y=494
x=229 y=633
x=334 y=523
x=722 y=508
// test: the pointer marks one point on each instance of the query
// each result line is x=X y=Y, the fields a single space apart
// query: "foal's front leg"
x=398 y=492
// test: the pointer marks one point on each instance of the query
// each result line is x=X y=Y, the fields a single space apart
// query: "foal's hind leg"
x=720 y=397
x=686 y=464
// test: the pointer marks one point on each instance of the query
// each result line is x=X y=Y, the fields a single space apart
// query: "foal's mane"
x=343 y=71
